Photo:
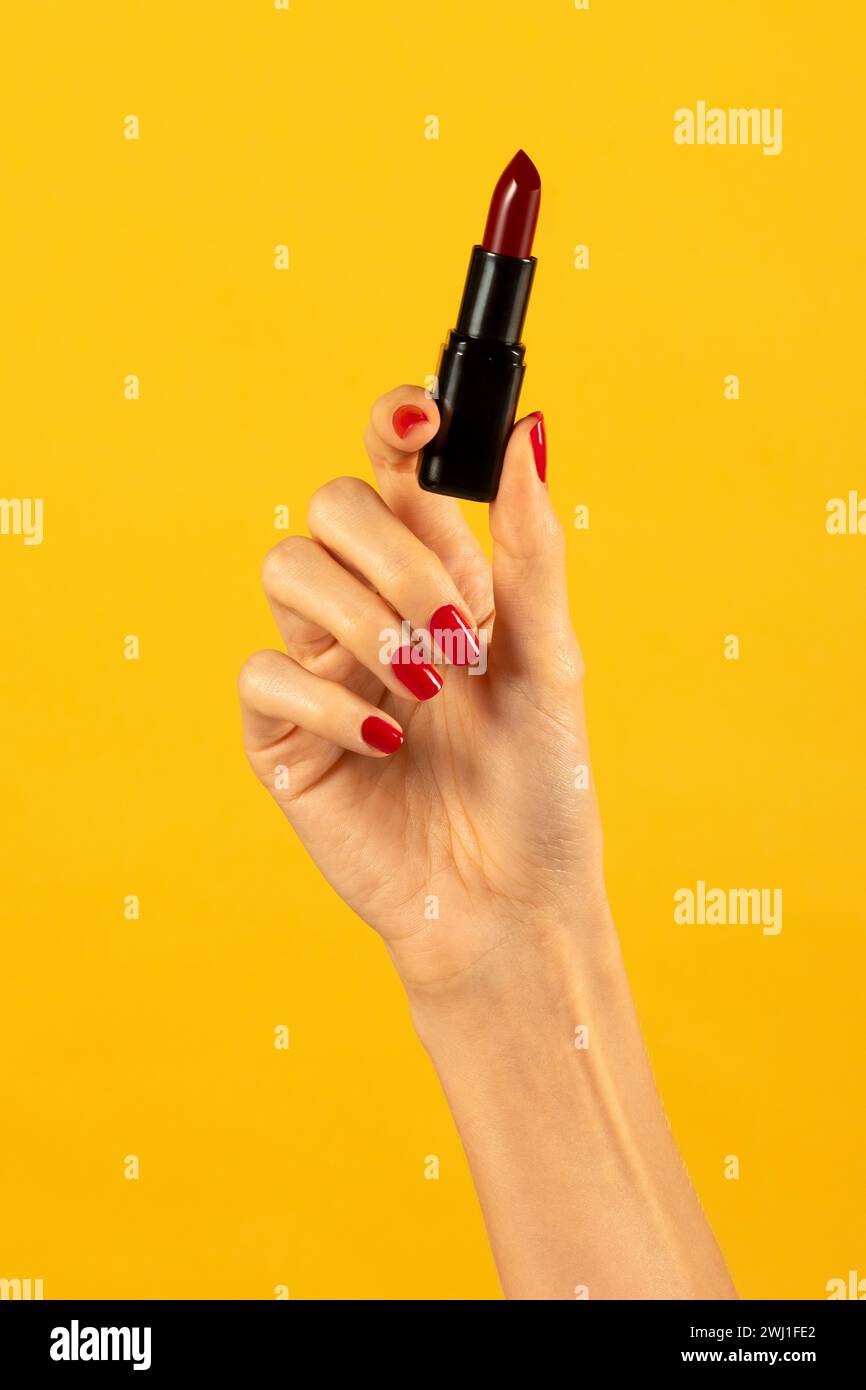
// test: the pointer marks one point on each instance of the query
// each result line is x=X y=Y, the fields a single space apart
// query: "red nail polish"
x=419 y=678
x=538 y=440
x=381 y=735
x=453 y=636
x=405 y=418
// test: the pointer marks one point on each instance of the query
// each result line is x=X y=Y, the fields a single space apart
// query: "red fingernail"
x=384 y=737
x=538 y=440
x=419 y=678
x=453 y=636
x=405 y=418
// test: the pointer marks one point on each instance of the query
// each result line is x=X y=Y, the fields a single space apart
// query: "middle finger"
x=353 y=522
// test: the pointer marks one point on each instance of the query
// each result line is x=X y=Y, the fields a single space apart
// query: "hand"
x=477 y=834
x=474 y=849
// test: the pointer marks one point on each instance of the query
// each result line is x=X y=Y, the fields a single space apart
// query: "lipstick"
x=482 y=364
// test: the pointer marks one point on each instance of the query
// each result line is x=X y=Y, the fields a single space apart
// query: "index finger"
x=401 y=423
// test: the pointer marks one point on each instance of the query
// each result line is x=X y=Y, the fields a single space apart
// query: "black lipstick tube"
x=479 y=377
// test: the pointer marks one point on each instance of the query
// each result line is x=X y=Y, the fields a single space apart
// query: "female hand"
x=479 y=833
x=474 y=848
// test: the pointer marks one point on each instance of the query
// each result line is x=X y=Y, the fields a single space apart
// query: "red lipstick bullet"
x=514 y=209
x=482 y=364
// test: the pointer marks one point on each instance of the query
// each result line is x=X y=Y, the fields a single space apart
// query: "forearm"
x=578 y=1175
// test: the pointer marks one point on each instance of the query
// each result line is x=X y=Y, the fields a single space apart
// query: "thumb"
x=529 y=581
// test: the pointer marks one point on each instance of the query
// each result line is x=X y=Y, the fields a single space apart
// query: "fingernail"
x=454 y=636
x=538 y=440
x=379 y=734
x=405 y=418
x=419 y=678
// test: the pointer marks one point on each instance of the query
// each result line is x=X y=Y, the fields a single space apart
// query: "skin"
x=582 y=1188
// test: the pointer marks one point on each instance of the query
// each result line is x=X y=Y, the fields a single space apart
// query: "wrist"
x=538 y=977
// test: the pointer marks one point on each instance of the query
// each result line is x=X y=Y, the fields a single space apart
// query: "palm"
x=388 y=833
x=443 y=831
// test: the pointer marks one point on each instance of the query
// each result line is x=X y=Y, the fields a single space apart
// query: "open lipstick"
x=481 y=368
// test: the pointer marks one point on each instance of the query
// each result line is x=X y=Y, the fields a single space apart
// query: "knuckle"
x=255 y=675
x=365 y=622
x=284 y=560
x=416 y=567
x=354 y=627
x=570 y=669
x=333 y=497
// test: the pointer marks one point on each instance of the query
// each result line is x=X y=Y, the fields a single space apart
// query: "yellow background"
x=155 y=257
